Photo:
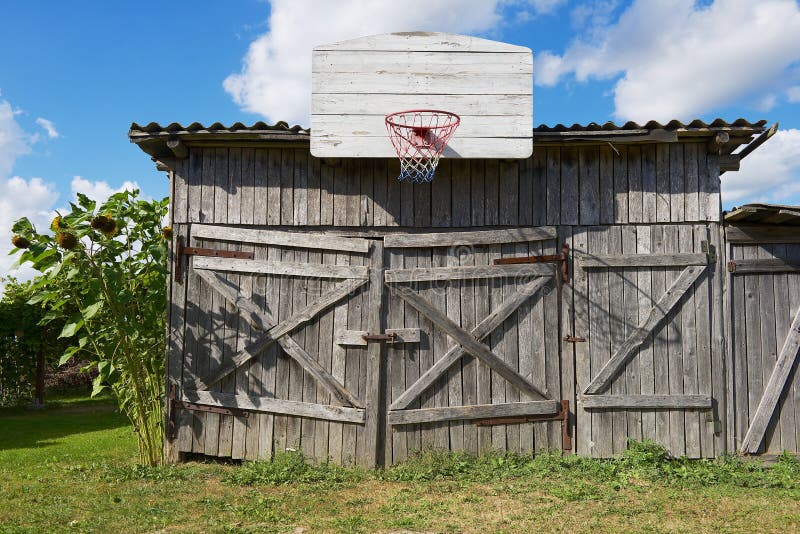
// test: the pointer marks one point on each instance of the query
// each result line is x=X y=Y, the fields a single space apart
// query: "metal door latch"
x=573 y=339
x=182 y=250
x=562 y=258
x=389 y=338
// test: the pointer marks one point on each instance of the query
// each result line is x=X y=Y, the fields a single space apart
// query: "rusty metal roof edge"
x=154 y=129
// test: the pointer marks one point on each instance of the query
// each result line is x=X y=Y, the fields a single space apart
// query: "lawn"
x=72 y=468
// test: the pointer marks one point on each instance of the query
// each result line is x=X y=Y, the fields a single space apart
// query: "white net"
x=419 y=137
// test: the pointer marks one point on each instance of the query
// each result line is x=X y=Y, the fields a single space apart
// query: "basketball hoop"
x=419 y=137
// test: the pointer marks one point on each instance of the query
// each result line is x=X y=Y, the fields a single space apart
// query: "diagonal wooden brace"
x=772 y=393
x=483 y=329
x=279 y=333
x=626 y=351
x=466 y=340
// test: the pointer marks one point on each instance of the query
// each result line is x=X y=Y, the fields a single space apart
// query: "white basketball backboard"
x=356 y=83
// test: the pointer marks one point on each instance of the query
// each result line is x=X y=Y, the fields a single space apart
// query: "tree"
x=28 y=343
x=108 y=263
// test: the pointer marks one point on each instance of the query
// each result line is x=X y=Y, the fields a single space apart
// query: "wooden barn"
x=567 y=287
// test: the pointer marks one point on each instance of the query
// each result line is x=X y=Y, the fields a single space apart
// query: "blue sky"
x=87 y=70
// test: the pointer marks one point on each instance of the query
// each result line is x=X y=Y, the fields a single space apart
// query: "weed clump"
x=642 y=464
x=291 y=467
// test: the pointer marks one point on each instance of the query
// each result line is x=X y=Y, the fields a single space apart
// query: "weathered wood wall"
x=629 y=199
x=558 y=185
x=764 y=301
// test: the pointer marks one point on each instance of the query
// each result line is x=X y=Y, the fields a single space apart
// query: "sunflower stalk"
x=109 y=263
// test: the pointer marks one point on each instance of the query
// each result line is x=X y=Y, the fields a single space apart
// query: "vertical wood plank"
x=314 y=193
x=477 y=171
x=635 y=185
x=393 y=197
x=308 y=427
x=649 y=184
x=661 y=340
x=300 y=188
x=483 y=373
x=690 y=356
x=397 y=361
x=619 y=312
x=469 y=364
x=379 y=178
x=491 y=193
x=441 y=193
x=589 y=192
x=568 y=374
x=621 y=186
x=195 y=180
x=713 y=200
x=510 y=352
x=642 y=302
x=455 y=390
x=602 y=421
x=496 y=338
x=509 y=193
x=355 y=308
x=326 y=193
x=691 y=181
x=583 y=369
x=461 y=192
x=287 y=186
x=677 y=184
x=374 y=323
x=338 y=369
x=260 y=189
x=663 y=196
x=553 y=205
x=274 y=186
x=606 y=185
x=438 y=297
x=353 y=200
x=340 y=200
x=538 y=176
x=677 y=431
x=570 y=186
x=526 y=201
x=703 y=311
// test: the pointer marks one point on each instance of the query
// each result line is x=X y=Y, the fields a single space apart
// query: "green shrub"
x=291 y=467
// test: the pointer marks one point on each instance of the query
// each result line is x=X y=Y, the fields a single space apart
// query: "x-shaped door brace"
x=626 y=351
x=468 y=342
x=279 y=333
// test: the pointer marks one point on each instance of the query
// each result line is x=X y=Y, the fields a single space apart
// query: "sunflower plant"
x=108 y=262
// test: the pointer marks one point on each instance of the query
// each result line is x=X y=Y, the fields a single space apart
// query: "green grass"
x=72 y=468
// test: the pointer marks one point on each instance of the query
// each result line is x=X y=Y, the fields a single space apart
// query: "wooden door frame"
x=694 y=266
x=469 y=342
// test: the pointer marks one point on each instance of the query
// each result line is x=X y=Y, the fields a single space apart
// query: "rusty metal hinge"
x=573 y=339
x=183 y=250
x=562 y=415
x=389 y=338
x=731 y=266
x=549 y=258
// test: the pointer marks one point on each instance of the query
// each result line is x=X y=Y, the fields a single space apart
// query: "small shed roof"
x=775 y=214
x=154 y=139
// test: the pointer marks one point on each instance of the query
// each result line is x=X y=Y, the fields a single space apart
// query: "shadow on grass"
x=23 y=428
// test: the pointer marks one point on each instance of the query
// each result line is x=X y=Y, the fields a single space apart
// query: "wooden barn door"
x=643 y=316
x=484 y=342
x=764 y=342
x=262 y=369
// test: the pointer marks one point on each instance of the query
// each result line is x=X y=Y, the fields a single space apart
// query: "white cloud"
x=275 y=80
x=770 y=174
x=13 y=139
x=98 y=190
x=49 y=127
x=34 y=198
x=680 y=58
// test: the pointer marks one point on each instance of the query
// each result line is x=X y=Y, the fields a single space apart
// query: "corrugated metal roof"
x=697 y=124
x=152 y=138
x=176 y=128
x=776 y=214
